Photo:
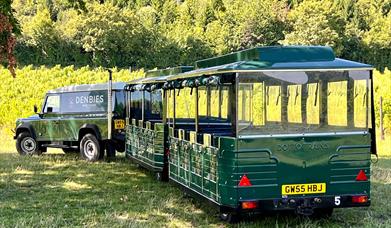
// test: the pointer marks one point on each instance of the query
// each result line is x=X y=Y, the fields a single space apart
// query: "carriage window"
x=244 y=102
x=251 y=105
x=294 y=104
x=185 y=103
x=136 y=104
x=258 y=105
x=302 y=102
x=156 y=102
x=360 y=103
x=214 y=102
x=224 y=102
x=273 y=103
x=337 y=103
x=202 y=101
x=153 y=105
x=170 y=104
x=312 y=104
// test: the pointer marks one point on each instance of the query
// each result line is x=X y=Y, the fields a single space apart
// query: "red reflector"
x=244 y=181
x=249 y=205
x=361 y=176
x=167 y=152
x=359 y=199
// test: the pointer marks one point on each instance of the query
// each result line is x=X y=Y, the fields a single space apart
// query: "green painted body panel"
x=66 y=127
x=269 y=163
x=194 y=166
x=272 y=162
x=146 y=146
x=227 y=168
x=168 y=71
x=272 y=54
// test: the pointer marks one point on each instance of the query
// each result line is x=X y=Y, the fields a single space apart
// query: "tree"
x=244 y=24
x=315 y=23
x=9 y=28
x=115 y=37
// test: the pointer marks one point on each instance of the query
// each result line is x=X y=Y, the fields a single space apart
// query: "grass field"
x=58 y=189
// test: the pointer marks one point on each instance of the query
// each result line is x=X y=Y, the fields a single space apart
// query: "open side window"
x=200 y=111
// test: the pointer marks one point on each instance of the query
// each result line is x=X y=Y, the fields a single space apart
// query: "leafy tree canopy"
x=163 y=33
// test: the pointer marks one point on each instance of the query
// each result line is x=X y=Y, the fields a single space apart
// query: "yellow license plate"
x=294 y=189
x=119 y=124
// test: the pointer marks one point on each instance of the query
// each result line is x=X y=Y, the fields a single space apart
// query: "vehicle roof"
x=168 y=71
x=160 y=75
x=269 y=58
x=88 y=87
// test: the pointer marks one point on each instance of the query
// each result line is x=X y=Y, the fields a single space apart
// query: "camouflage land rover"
x=75 y=118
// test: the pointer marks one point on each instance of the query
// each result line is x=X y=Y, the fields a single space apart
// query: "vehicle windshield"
x=297 y=102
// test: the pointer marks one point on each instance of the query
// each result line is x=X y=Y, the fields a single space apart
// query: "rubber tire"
x=70 y=150
x=90 y=138
x=103 y=150
x=110 y=150
x=20 y=148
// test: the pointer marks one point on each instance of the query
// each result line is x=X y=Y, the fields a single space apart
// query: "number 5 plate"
x=295 y=189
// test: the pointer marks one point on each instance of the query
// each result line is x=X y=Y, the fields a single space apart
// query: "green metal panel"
x=276 y=54
x=146 y=146
x=227 y=168
x=194 y=166
x=70 y=126
x=168 y=71
x=272 y=162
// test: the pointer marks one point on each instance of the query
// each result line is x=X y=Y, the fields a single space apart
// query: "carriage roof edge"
x=269 y=58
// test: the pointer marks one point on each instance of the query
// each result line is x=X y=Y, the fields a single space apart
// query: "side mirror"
x=35 y=109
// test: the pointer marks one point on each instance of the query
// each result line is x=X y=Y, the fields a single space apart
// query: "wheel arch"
x=89 y=128
x=25 y=127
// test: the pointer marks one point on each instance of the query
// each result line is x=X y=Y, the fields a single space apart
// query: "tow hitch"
x=306 y=207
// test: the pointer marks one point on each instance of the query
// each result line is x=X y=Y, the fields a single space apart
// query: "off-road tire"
x=27 y=145
x=90 y=148
x=110 y=150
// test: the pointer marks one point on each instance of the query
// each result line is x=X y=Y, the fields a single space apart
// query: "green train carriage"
x=270 y=128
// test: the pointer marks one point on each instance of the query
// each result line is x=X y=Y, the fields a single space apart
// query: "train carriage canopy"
x=245 y=130
x=265 y=90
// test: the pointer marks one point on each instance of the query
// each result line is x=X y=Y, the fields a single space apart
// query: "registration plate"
x=294 y=189
x=119 y=124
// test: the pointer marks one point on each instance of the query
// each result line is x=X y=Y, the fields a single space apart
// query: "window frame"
x=46 y=101
x=329 y=129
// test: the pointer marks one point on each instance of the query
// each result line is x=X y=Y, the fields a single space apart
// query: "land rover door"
x=48 y=127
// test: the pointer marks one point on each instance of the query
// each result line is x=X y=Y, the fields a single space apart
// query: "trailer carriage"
x=270 y=128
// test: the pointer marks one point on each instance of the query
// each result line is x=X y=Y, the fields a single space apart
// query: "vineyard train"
x=268 y=128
